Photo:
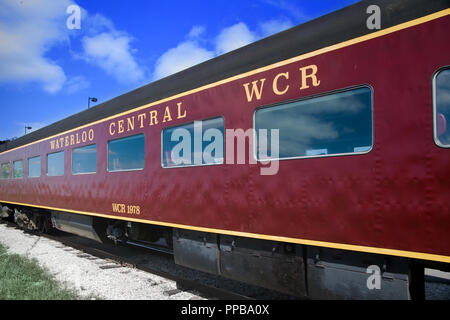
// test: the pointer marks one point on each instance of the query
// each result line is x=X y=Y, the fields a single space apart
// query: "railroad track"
x=128 y=255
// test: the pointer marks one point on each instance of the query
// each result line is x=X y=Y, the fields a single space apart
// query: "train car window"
x=5 y=171
x=84 y=159
x=18 y=169
x=441 y=89
x=34 y=167
x=337 y=123
x=179 y=144
x=126 y=153
x=55 y=164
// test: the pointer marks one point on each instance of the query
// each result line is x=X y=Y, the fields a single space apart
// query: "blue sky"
x=47 y=71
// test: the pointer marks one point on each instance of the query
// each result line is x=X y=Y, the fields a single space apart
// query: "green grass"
x=23 y=279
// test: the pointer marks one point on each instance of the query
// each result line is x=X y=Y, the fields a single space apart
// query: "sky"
x=51 y=62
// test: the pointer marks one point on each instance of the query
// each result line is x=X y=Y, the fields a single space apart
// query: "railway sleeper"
x=295 y=269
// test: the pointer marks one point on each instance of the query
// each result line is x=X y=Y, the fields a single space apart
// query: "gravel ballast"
x=91 y=277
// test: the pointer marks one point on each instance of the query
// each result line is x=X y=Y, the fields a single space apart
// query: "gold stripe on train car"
x=334 y=47
x=385 y=251
x=351 y=247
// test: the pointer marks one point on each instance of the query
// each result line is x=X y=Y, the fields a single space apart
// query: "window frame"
x=23 y=169
x=28 y=167
x=194 y=165
x=96 y=160
x=64 y=164
x=255 y=146
x=434 y=100
x=125 y=170
x=9 y=172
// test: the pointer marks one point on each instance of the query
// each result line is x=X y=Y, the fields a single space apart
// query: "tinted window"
x=442 y=108
x=55 y=164
x=126 y=153
x=337 y=123
x=5 y=170
x=179 y=146
x=34 y=167
x=18 y=169
x=84 y=159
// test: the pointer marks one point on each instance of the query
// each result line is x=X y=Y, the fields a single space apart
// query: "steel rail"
x=207 y=291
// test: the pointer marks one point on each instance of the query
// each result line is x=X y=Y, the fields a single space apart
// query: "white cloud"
x=274 y=26
x=196 y=32
x=190 y=52
x=185 y=55
x=113 y=54
x=76 y=84
x=234 y=37
x=289 y=8
x=96 y=23
x=27 y=30
x=109 y=49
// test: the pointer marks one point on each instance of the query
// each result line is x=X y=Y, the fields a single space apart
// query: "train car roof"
x=336 y=27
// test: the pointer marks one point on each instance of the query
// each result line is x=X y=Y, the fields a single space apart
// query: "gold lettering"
x=67 y=141
x=141 y=118
x=121 y=128
x=57 y=144
x=72 y=139
x=112 y=132
x=61 y=142
x=91 y=136
x=255 y=90
x=153 y=117
x=123 y=208
x=130 y=124
x=311 y=75
x=118 y=207
x=133 y=210
x=78 y=138
x=179 y=111
x=275 y=83
x=84 y=136
x=167 y=115
x=52 y=144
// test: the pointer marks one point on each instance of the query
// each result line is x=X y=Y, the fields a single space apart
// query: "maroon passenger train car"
x=360 y=182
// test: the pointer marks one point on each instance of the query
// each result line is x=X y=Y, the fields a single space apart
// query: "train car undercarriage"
x=299 y=270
